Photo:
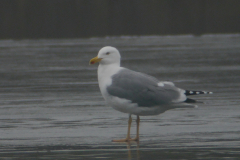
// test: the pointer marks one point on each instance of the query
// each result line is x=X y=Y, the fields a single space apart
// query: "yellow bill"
x=95 y=60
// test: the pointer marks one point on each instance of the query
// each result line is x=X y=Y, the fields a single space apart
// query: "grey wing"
x=143 y=89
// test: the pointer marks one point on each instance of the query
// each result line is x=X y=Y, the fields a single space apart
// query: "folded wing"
x=144 y=90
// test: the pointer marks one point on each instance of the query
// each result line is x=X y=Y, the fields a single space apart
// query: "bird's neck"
x=106 y=71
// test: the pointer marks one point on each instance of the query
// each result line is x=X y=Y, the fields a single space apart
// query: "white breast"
x=105 y=72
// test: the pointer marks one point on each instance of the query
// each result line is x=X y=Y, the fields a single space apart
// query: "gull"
x=137 y=93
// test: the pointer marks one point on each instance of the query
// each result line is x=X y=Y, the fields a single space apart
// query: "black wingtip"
x=188 y=100
x=189 y=93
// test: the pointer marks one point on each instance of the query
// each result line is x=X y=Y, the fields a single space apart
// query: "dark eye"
x=107 y=53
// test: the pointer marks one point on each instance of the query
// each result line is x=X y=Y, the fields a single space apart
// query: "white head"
x=107 y=55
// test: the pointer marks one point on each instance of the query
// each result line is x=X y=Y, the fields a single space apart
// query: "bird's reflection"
x=131 y=148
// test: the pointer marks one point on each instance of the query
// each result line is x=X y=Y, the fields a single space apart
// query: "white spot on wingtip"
x=169 y=83
x=160 y=84
x=197 y=92
x=191 y=92
x=210 y=92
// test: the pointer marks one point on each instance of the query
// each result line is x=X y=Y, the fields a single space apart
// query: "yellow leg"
x=128 y=138
x=129 y=126
x=137 y=135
